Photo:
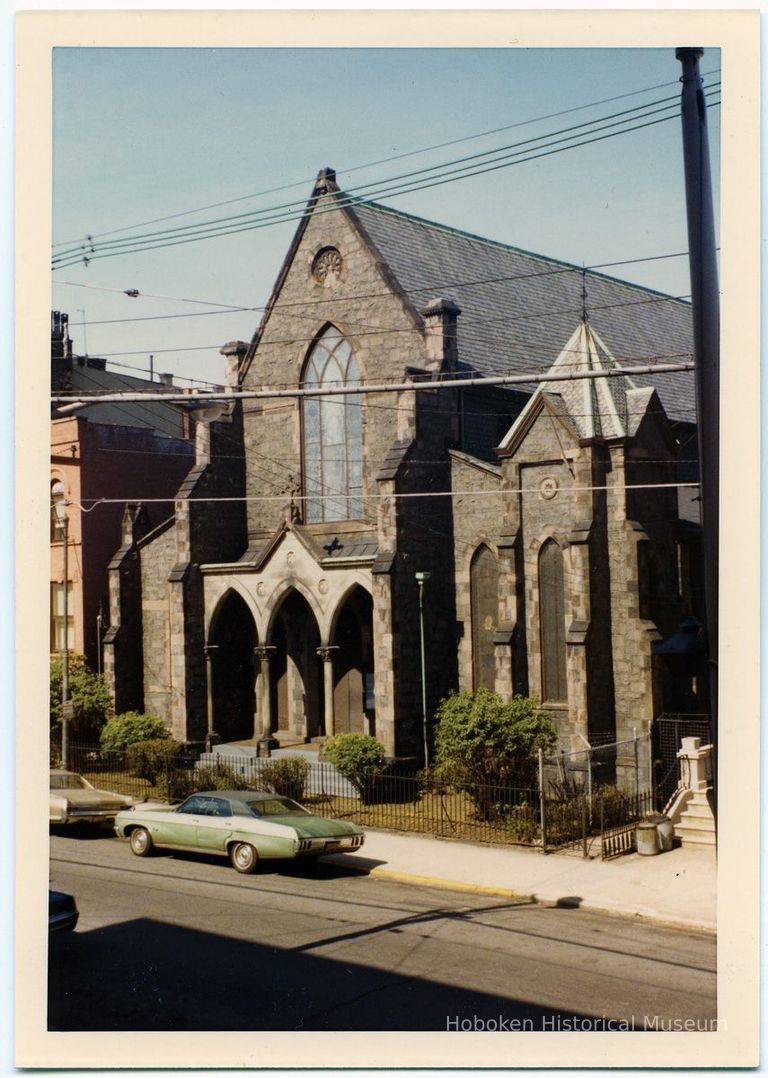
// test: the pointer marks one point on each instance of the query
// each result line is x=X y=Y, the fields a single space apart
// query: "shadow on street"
x=147 y=975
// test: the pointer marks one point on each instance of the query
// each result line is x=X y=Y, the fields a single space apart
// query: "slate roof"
x=165 y=419
x=350 y=545
x=526 y=306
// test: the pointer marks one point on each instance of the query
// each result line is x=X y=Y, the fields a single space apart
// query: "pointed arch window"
x=332 y=433
x=484 y=590
x=554 y=686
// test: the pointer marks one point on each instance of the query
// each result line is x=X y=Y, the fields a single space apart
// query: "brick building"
x=103 y=452
x=556 y=563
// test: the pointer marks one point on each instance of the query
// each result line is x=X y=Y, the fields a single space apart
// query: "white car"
x=75 y=800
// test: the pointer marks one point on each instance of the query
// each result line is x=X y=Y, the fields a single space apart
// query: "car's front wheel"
x=244 y=858
x=140 y=841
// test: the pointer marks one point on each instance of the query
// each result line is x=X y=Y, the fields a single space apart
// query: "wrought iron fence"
x=563 y=804
x=619 y=817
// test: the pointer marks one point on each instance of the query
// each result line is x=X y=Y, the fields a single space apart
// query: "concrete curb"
x=446 y=885
x=683 y=923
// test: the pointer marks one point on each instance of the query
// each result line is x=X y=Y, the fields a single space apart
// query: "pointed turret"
x=610 y=407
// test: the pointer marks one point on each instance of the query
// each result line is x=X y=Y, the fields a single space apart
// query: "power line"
x=435 y=286
x=217 y=229
x=352 y=389
x=148 y=370
x=644 y=109
x=617 y=488
x=386 y=160
x=380 y=331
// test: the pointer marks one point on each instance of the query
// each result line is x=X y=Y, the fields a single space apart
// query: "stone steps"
x=323 y=777
x=696 y=826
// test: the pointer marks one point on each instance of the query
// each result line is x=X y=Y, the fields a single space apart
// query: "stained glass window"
x=484 y=587
x=333 y=439
x=552 y=619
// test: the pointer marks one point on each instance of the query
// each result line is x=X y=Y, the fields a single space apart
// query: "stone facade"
x=295 y=610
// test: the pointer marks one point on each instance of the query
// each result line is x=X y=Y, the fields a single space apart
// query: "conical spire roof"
x=599 y=407
x=611 y=407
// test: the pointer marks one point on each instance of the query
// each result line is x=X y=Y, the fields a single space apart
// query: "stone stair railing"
x=689 y=809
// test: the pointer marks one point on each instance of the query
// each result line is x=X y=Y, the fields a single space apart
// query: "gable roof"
x=517 y=308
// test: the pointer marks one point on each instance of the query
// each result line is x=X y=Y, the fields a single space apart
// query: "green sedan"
x=242 y=825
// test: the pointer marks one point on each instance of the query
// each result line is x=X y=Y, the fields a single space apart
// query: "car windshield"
x=276 y=806
x=69 y=781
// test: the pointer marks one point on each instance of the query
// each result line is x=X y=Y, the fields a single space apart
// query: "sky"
x=142 y=134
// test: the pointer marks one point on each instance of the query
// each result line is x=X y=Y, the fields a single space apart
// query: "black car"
x=62 y=912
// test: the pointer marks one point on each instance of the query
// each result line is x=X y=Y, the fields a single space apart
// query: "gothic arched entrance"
x=353 y=665
x=296 y=670
x=231 y=640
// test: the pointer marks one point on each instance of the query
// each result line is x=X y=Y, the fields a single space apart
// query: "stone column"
x=326 y=654
x=211 y=737
x=266 y=742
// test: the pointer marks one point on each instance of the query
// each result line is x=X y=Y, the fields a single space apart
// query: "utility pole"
x=421 y=579
x=66 y=703
x=706 y=334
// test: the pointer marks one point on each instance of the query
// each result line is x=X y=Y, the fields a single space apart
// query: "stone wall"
x=476 y=520
x=357 y=302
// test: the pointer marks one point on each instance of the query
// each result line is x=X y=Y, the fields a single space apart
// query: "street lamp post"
x=421 y=579
x=66 y=705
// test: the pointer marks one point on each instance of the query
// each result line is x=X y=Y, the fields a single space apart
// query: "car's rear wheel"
x=244 y=858
x=140 y=841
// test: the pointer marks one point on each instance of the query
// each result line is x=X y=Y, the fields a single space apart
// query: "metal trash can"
x=665 y=829
x=647 y=838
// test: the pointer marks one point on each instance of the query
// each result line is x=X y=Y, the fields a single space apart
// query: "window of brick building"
x=57 y=618
x=554 y=683
x=332 y=433
x=57 y=497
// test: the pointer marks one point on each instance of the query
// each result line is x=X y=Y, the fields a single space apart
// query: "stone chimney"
x=164 y=378
x=61 y=349
x=234 y=353
x=440 y=317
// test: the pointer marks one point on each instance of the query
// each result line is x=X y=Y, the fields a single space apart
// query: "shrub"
x=148 y=759
x=482 y=743
x=222 y=776
x=287 y=776
x=88 y=692
x=176 y=784
x=360 y=759
x=180 y=783
x=130 y=728
x=523 y=823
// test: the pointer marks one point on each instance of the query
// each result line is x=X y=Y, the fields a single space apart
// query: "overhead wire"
x=617 y=488
x=394 y=157
x=435 y=286
x=378 y=331
x=132 y=245
x=646 y=109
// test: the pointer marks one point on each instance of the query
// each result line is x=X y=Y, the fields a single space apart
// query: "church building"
x=557 y=545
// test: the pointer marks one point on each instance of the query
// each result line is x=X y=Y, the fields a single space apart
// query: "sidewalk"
x=677 y=887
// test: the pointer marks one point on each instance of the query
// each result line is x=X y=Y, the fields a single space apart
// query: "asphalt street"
x=182 y=942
